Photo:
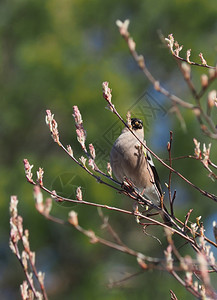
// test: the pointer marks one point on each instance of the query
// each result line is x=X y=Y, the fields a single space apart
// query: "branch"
x=27 y=257
x=106 y=92
x=171 y=43
x=197 y=110
x=145 y=262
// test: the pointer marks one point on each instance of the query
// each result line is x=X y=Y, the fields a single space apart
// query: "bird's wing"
x=156 y=177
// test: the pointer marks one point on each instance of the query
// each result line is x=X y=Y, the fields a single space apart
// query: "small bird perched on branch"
x=131 y=160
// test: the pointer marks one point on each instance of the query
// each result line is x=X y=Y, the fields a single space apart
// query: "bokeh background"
x=56 y=54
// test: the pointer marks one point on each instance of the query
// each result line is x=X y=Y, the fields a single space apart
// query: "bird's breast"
x=127 y=158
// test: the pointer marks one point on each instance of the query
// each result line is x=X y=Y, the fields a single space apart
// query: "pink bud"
x=204 y=80
x=28 y=169
x=92 y=151
x=38 y=199
x=79 y=193
x=40 y=174
x=203 y=61
x=50 y=121
x=77 y=116
x=109 y=169
x=91 y=163
x=73 y=218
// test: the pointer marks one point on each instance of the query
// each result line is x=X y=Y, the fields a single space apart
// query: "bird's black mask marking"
x=136 y=123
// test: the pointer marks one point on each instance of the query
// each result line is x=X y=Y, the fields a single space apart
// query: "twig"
x=182 y=282
x=169 y=145
x=123 y=28
x=109 y=227
x=187 y=218
x=173 y=295
x=121 y=281
x=171 y=43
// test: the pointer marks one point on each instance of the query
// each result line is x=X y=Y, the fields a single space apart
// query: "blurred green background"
x=56 y=54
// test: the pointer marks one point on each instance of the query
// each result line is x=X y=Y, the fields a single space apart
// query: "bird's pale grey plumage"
x=130 y=159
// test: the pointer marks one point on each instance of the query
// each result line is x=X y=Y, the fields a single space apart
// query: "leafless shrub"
x=197 y=270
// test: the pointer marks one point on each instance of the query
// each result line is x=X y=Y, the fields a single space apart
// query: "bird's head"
x=136 y=123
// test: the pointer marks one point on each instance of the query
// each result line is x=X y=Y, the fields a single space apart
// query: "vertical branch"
x=169 y=146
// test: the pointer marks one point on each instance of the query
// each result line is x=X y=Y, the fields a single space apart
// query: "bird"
x=130 y=159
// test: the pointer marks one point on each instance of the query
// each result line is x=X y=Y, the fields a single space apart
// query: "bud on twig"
x=47 y=206
x=107 y=94
x=39 y=296
x=54 y=195
x=197 y=111
x=38 y=198
x=92 y=151
x=25 y=258
x=13 y=206
x=28 y=169
x=51 y=122
x=197 y=151
x=73 y=218
x=91 y=163
x=203 y=61
x=24 y=290
x=79 y=194
x=206 y=154
x=198 y=220
x=131 y=44
x=141 y=61
x=123 y=27
x=204 y=80
x=81 y=133
x=41 y=277
x=20 y=225
x=92 y=236
x=109 y=169
x=170 y=42
x=77 y=116
x=69 y=149
x=186 y=70
x=157 y=85
x=25 y=240
x=212 y=73
x=40 y=174
x=194 y=229
x=14 y=234
x=214 y=224
x=188 y=278
x=81 y=137
x=188 y=54
x=83 y=160
x=196 y=285
x=177 y=48
x=212 y=100
x=141 y=261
